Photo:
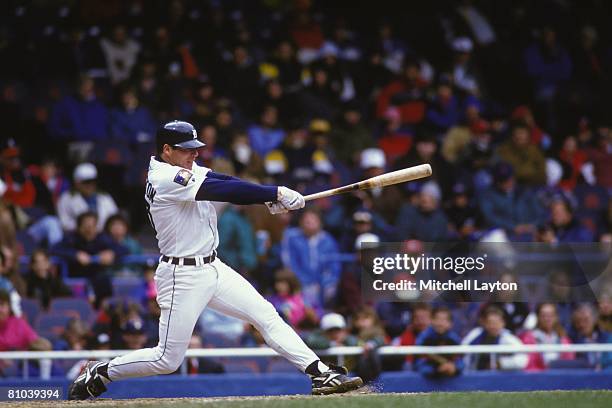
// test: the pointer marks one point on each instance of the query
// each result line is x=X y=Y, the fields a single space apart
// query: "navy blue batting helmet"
x=178 y=134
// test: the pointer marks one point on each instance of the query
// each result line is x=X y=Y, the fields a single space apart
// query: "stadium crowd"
x=508 y=101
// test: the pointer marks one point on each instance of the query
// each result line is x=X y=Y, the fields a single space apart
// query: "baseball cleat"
x=89 y=382
x=334 y=381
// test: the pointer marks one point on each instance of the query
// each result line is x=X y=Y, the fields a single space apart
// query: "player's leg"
x=236 y=297
x=182 y=294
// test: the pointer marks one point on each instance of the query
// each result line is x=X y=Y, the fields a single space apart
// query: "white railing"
x=341 y=352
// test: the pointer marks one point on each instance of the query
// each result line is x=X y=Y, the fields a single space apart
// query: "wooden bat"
x=387 y=179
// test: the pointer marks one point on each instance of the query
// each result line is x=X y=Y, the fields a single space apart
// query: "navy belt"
x=189 y=261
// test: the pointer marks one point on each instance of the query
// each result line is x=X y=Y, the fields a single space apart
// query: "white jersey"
x=184 y=227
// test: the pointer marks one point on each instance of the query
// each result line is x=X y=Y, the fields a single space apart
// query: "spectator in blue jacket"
x=439 y=334
x=506 y=206
x=425 y=221
x=444 y=110
x=80 y=117
x=130 y=122
x=266 y=135
x=307 y=250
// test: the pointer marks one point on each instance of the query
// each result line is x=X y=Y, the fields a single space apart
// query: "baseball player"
x=190 y=276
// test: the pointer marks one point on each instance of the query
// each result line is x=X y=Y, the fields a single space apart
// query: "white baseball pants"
x=182 y=293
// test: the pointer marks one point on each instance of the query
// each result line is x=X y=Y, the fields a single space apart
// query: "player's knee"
x=169 y=361
x=268 y=316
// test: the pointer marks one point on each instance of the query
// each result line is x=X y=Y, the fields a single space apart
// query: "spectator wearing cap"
x=381 y=202
x=526 y=158
x=350 y=135
x=134 y=335
x=465 y=75
x=565 y=225
x=85 y=197
x=361 y=224
x=266 y=135
x=43 y=282
x=79 y=118
x=88 y=253
x=443 y=110
x=505 y=205
x=425 y=222
x=332 y=332
x=464 y=219
x=307 y=251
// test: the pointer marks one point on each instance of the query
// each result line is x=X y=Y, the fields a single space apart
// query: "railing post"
x=26 y=374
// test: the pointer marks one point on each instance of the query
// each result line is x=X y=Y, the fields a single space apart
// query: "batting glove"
x=287 y=200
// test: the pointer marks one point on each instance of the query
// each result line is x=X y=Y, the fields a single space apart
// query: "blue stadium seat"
x=52 y=322
x=73 y=307
x=217 y=340
x=31 y=309
x=127 y=286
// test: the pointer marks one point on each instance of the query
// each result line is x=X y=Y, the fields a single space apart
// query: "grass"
x=534 y=399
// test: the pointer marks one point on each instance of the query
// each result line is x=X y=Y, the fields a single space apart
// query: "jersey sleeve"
x=177 y=184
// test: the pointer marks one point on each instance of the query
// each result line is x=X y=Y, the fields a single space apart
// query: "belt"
x=198 y=260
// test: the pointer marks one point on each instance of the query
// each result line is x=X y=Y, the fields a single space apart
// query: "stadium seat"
x=73 y=307
x=280 y=365
x=52 y=322
x=31 y=309
x=127 y=286
x=217 y=340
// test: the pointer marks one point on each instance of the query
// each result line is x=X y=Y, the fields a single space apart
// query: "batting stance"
x=190 y=276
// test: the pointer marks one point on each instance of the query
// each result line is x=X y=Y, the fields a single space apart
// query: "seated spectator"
x=444 y=110
x=464 y=218
x=426 y=221
x=74 y=336
x=88 y=253
x=236 y=239
x=350 y=136
x=200 y=365
x=289 y=302
x=266 y=135
x=85 y=197
x=492 y=331
x=511 y=304
x=565 y=225
x=332 y=332
x=16 y=334
x=100 y=341
x=548 y=331
x=369 y=331
x=584 y=330
x=118 y=229
x=134 y=335
x=439 y=334
x=508 y=206
x=130 y=122
x=420 y=319
x=526 y=158
x=43 y=281
x=120 y=53
x=304 y=251
x=7 y=281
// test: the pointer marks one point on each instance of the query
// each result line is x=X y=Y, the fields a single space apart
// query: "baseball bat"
x=387 y=179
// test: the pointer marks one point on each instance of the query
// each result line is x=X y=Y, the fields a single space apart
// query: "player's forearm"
x=234 y=190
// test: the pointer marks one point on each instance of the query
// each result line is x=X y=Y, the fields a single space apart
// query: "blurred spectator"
x=242 y=78
x=130 y=122
x=134 y=335
x=10 y=280
x=443 y=111
x=548 y=331
x=463 y=216
x=288 y=69
x=425 y=222
x=526 y=158
x=30 y=195
x=120 y=52
x=306 y=250
x=381 y=202
x=289 y=302
x=601 y=157
x=333 y=332
x=419 y=321
x=200 y=365
x=439 y=334
x=565 y=225
x=394 y=139
x=584 y=330
x=74 y=336
x=572 y=158
x=85 y=197
x=266 y=135
x=88 y=253
x=371 y=335
x=118 y=229
x=17 y=335
x=508 y=206
x=510 y=303
x=406 y=93
x=236 y=239
x=494 y=332
x=81 y=117
x=43 y=281
x=350 y=136
x=465 y=72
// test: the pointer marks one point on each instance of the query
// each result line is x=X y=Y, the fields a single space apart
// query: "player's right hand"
x=292 y=200
x=276 y=208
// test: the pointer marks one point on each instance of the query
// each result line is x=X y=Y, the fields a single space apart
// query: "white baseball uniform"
x=187 y=228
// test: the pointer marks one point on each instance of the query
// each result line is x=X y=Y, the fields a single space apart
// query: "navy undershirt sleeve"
x=224 y=188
